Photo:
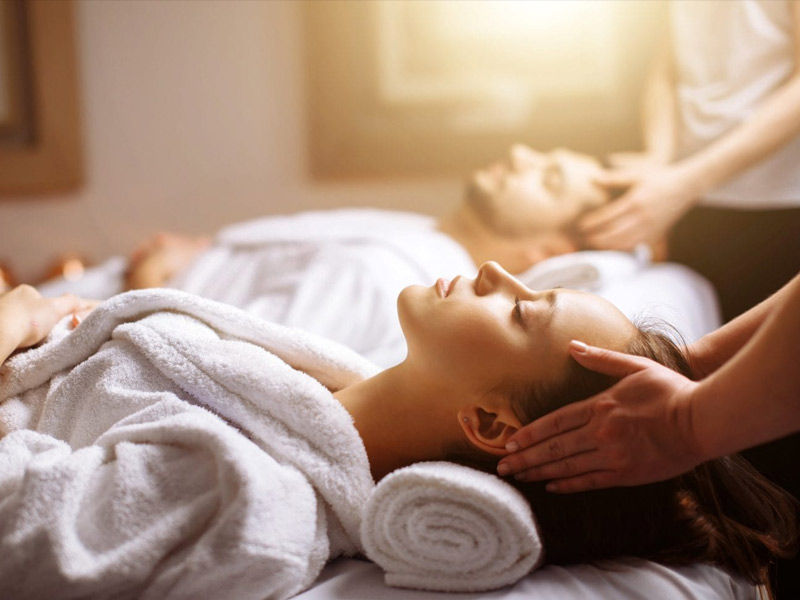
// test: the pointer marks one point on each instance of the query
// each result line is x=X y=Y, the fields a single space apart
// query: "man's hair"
x=722 y=512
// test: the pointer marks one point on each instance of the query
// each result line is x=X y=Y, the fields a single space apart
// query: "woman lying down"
x=173 y=447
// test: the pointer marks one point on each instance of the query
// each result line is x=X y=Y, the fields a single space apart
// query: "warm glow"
x=493 y=61
x=448 y=84
x=514 y=20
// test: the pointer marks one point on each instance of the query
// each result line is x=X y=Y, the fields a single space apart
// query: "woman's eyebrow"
x=552 y=301
x=552 y=306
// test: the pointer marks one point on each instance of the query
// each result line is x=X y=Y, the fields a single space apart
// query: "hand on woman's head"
x=638 y=431
x=475 y=340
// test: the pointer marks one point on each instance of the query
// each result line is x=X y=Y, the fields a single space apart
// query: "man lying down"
x=518 y=211
x=174 y=447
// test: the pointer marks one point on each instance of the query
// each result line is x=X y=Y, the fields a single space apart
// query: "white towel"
x=590 y=270
x=446 y=527
x=182 y=449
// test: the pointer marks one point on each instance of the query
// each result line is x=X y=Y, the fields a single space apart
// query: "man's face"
x=531 y=192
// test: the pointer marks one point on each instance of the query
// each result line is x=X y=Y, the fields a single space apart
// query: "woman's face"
x=495 y=331
x=531 y=191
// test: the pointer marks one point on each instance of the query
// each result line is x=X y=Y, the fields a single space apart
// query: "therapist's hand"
x=654 y=198
x=636 y=432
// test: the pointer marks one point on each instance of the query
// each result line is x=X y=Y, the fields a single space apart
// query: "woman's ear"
x=488 y=429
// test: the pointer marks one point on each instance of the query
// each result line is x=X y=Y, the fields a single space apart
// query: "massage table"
x=644 y=292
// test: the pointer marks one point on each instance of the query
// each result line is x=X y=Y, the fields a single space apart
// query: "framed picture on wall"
x=40 y=141
x=16 y=109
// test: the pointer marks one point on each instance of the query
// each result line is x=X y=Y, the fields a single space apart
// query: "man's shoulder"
x=326 y=225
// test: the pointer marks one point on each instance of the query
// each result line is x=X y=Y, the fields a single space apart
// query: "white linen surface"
x=658 y=293
x=442 y=526
x=345 y=579
x=182 y=454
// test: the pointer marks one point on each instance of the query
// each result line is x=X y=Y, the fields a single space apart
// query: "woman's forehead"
x=592 y=319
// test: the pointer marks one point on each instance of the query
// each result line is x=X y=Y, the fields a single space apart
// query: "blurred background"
x=187 y=115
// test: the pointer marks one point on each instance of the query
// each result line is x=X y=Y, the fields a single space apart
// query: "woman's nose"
x=492 y=277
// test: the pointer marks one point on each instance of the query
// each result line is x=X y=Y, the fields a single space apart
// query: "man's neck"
x=388 y=413
x=514 y=253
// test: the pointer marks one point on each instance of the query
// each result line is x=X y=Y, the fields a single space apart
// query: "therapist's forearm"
x=755 y=396
x=711 y=351
x=659 y=109
x=774 y=124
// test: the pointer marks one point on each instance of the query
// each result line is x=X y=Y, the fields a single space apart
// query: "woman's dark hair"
x=722 y=512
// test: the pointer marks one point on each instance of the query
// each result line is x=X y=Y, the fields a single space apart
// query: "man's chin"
x=479 y=200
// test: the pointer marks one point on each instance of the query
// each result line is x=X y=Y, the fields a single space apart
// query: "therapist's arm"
x=713 y=350
x=655 y=424
x=755 y=396
x=26 y=317
x=656 y=198
x=659 y=128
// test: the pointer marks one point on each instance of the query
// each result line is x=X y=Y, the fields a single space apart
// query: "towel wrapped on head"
x=446 y=527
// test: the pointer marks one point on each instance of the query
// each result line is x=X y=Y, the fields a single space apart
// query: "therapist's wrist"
x=702 y=358
x=661 y=156
x=698 y=174
x=691 y=177
x=689 y=420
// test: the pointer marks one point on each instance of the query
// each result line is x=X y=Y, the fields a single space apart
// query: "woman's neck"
x=400 y=419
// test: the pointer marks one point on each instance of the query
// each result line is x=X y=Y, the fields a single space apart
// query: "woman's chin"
x=413 y=309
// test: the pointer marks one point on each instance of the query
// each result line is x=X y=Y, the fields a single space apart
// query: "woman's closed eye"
x=518 y=311
x=553 y=178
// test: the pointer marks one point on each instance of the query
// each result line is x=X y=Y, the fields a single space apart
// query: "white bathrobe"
x=334 y=273
x=174 y=447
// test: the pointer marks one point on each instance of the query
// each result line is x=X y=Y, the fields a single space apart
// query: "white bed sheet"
x=669 y=294
x=643 y=580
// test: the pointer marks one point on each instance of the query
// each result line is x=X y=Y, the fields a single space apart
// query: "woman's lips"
x=442 y=287
x=452 y=285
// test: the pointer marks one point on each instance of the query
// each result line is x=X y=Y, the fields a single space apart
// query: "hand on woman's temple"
x=26 y=317
x=638 y=431
x=655 y=197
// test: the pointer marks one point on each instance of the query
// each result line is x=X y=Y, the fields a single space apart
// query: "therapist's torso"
x=729 y=56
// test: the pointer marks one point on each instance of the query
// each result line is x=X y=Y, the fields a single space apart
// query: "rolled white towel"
x=445 y=527
x=588 y=270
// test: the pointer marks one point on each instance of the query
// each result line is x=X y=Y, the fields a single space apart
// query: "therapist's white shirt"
x=729 y=56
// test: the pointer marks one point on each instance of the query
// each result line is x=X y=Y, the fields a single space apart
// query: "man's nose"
x=522 y=157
